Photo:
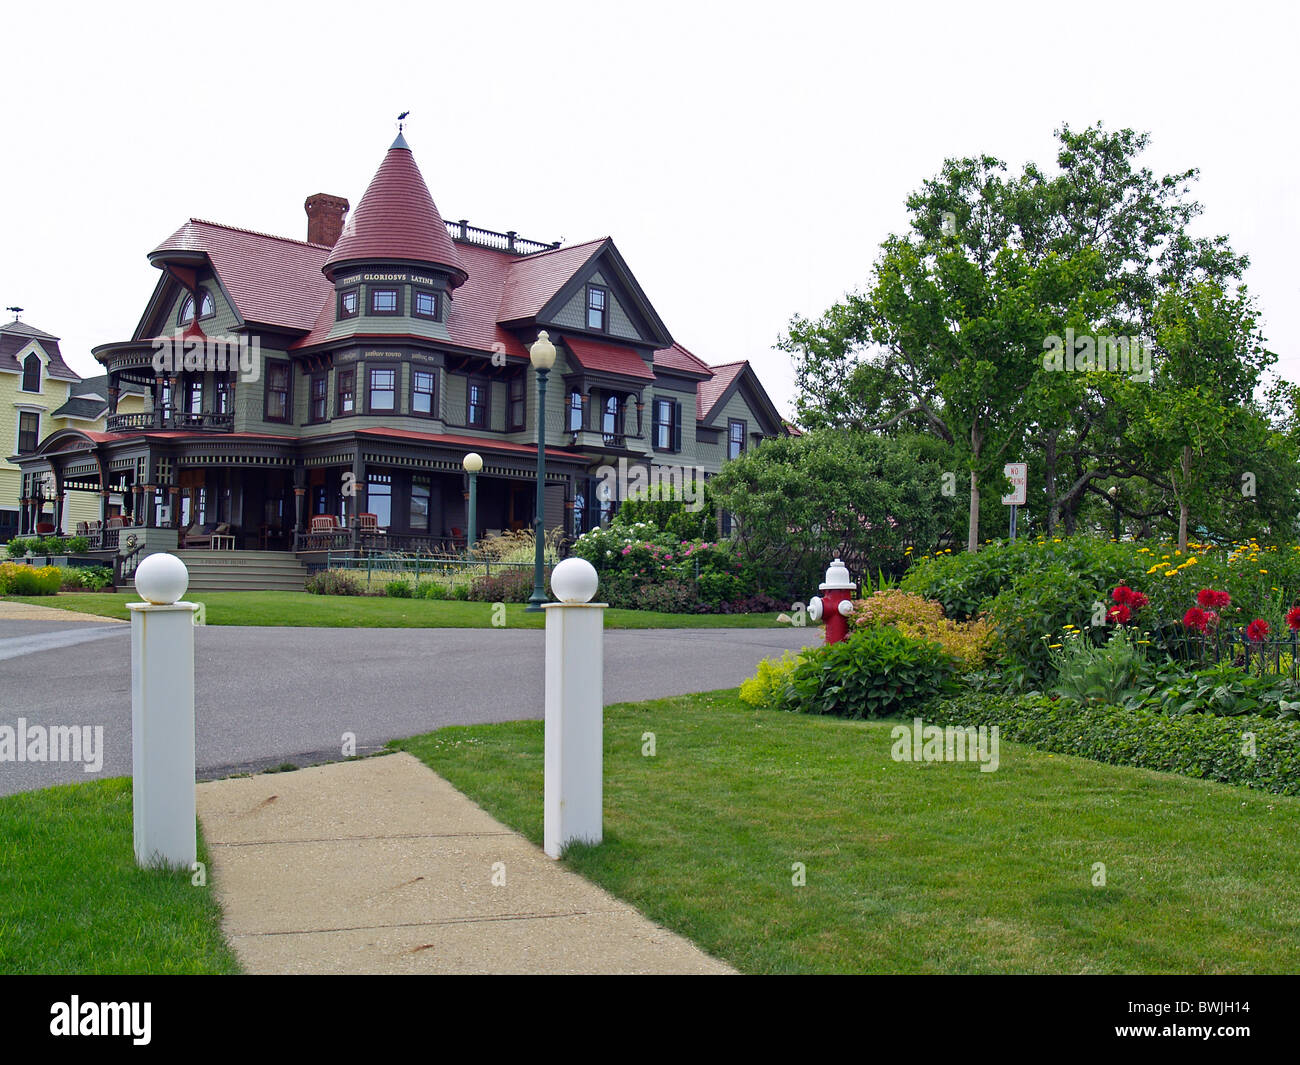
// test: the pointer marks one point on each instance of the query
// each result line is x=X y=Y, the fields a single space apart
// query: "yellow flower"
x=1263 y=571
x=1170 y=572
x=1054 y=646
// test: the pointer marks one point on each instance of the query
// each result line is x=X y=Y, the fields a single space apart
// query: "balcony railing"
x=490 y=238
x=172 y=419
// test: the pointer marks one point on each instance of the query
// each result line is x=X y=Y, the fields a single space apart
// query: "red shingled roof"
x=609 y=358
x=532 y=281
x=678 y=358
x=708 y=392
x=397 y=219
x=272 y=280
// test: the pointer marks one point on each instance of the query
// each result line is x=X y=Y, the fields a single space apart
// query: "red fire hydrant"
x=837 y=604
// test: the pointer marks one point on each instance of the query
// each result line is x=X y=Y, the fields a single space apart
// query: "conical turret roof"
x=397 y=219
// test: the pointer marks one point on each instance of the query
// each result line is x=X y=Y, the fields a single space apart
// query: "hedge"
x=1195 y=745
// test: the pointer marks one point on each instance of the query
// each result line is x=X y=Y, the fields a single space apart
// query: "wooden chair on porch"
x=323 y=523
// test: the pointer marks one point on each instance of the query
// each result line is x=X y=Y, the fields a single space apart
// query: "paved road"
x=270 y=695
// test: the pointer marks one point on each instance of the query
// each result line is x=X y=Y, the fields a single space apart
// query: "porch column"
x=59 y=493
x=103 y=505
x=149 y=500
x=175 y=522
x=299 y=494
x=173 y=384
x=112 y=399
x=22 y=514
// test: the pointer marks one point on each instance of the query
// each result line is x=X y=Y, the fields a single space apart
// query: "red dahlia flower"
x=1293 y=618
x=1119 y=614
x=1208 y=597
x=1195 y=619
x=1122 y=595
x=1137 y=600
x=1257 y=630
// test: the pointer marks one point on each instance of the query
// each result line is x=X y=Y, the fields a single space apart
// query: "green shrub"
x=507 y=586
x=17 y=579
x=669 y=597
x=1223 y=690
x=1088 y=674
x=335 y=582
x=87 y=578
x=1197 y=745
x=874 y=673
x=460 y=593
x=50 y=545
x=431 y=590
x=767 y=688
x=77 y=545
x=20 y=545
x=400 y=589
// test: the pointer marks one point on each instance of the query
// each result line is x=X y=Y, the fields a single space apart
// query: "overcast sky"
x=747 y=159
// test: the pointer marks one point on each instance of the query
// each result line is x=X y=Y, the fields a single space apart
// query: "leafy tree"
x=799 y=501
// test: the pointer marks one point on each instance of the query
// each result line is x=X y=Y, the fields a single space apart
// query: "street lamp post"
x=473 y=462
x=542 y=356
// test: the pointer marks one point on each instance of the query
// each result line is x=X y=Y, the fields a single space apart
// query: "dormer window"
x=597 y=298
x=32 y=373
x=426 y=304
x=207 y=308
x=384 y=301
x=349 y=303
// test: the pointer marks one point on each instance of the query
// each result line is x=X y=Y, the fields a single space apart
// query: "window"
x=379 y=498
x=735 y=438
x=421 y=495
x=194 y=397
x=225 y=397
x=517 y=410
x=476 y=403
x=319 y=409
x=349 y=303
x=426 y=304
x=384 y=301
x=667 y=428
x=347 y=397
x=277 y=391
x=611 y=424
x=596 y=298
x=29 y=430
x=383 y=389
x=32 y=373
x=422 y=393
x=575 y=412
x=206 y=308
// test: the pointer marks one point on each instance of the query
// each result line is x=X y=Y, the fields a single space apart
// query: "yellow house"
x=40 y=393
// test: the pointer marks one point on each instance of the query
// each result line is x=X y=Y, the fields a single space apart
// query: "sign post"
x=1018 y=474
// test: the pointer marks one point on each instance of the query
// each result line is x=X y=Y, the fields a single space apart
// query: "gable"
x=629 y=314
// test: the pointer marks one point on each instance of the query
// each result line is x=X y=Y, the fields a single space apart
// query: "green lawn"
x=341 y=611
x=73 y=901
x=911 y=867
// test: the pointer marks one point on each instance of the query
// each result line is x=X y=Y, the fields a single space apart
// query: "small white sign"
x=1018 y=474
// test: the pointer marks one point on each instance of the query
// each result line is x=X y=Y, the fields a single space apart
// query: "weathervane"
x=400 y=119
x=17 y=311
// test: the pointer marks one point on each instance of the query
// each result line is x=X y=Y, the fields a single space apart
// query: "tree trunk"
x=973 y=529
x=1182 y=502
x=1049 y=481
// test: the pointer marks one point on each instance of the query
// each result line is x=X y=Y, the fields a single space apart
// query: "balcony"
x=171 y=419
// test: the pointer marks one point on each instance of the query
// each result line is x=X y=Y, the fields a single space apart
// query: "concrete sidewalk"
x=381 y=866
x=12 y=611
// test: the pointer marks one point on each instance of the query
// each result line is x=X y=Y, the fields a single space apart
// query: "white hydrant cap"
x=837 y=577
x=574 y=581
x=161 y=579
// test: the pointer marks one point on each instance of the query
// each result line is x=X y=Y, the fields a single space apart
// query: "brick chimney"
x=325 y=218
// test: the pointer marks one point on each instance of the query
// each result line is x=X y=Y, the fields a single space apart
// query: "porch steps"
x=236 y=571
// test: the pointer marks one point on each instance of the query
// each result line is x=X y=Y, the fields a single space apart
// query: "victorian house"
x=346 y=376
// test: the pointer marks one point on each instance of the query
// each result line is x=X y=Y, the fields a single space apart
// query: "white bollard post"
x=162 y=715
x=574 y=758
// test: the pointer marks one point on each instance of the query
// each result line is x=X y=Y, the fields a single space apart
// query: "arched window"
x=32 y=373
x=206 y=309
